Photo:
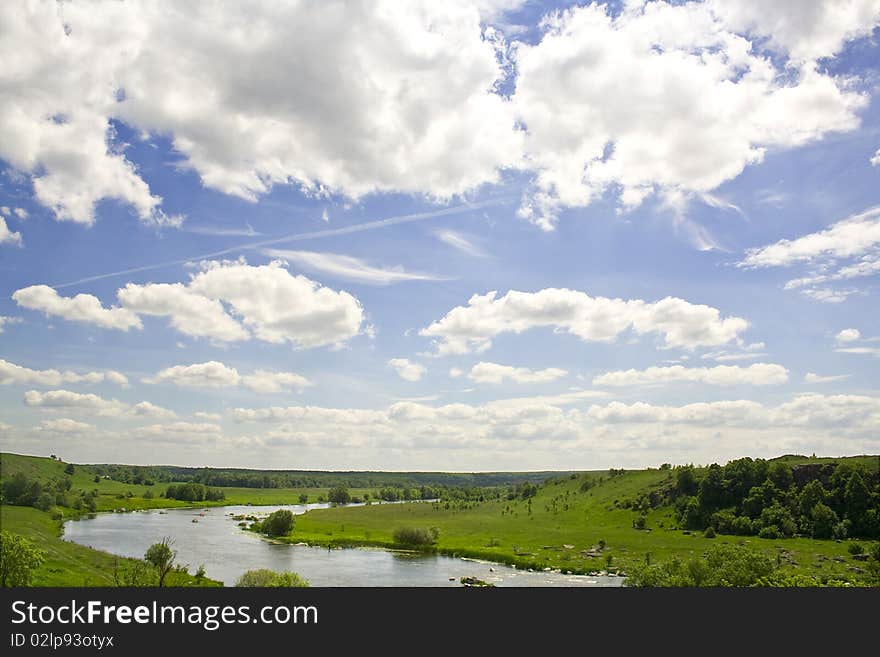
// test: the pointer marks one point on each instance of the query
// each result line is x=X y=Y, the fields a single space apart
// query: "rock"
x=473 y=582
x=567 y=546
x=861 y=557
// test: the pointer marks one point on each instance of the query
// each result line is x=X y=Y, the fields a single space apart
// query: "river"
x=227 y=551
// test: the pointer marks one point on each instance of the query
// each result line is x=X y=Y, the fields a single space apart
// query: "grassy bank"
x=559 y=525
x=69 y=564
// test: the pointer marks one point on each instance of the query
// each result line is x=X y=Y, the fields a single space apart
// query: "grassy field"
x=114 y=495
x=559 y=525
x=69 y=564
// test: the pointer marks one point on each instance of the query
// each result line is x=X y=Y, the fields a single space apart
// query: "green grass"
x=505 y=530
x=69 y=564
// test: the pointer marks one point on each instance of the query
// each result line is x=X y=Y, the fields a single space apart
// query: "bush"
x=709 y=533
x=279 y=523
x=263 y=577
x=640 y=522
x=855 y=548
x=770 y=531
x=18 y=560
x=416 y=535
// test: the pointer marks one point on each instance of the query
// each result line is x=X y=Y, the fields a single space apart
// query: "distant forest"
x=244 y=478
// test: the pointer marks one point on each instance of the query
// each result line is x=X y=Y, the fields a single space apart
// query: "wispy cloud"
x=295 y=237
x=348 y=267
x=461 y=243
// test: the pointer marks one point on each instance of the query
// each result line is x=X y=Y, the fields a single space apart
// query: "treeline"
x=193 y=492
x=774 y=500
x=21 y=490
x=313 y=479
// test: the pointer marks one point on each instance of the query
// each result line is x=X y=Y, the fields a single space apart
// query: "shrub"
x=709 y=533
x=855 y=548
x=279 y=523
x=770 y=531
x=338 y=495
x=639 y=522
x=18 y=560
x=263 y=577
x=416 y=535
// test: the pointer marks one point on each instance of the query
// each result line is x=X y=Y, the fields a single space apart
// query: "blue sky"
x=263 y=246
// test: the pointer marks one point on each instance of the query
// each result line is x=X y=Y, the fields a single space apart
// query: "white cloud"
x=90 y=404
x=265 y=381
x=4 y=321
x=869 y=351
x=875 y=161
x=593 y=319
x=812 y=377
x=5 y=211
x=190 y=313
x=663 y=98
x=21 y=213
x=461 y=243
x=10 y=374
x=805 y=30
x=406 y=369
x=7 y=236
x=83 y=308
x=214 y=374
x=179 y=432
x=853 y=236
x=484 y=372
x=849 y=335
x=759 y=374
x=209 y=417
x=455 y=372
x=188 y=73
x=65 y=425
x=348 y=267
x=266 y=302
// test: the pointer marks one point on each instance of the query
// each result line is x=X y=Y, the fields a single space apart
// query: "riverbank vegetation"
x=815 y=520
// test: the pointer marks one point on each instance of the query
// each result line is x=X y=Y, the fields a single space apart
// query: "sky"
x=476 y=235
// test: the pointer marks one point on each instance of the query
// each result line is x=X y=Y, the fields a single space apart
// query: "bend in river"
x=227 y=551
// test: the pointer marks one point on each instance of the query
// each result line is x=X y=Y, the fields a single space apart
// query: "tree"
x=824 y=521
x=339 y=495
x=303 y=498
x=279 y=523
x=161 y=557
x=263 y=577
x=686 y=480
x=18 y=560
x=781 y=475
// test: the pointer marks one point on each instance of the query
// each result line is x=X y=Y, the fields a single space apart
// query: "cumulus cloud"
x=84 y=308
x=65 y=425
x=849 y=335
x=543 y=423
x=266 y=302
x=759 y=374
x=266 y=381
x=669 y=98
x=21 y=213
x=187 y=72
x=806 y=31
x=348 y=267
x=91 y=404
x=593 y=319
x=875 y=161
x=12 y=374
x=686 y=97
x=406 y=369
x=214 y=374
x=209 y=417
x=484 y=372
x=7 y=236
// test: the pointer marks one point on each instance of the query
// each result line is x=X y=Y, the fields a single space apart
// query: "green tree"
x=279 y=523
x=339 y=495
x=824 y=521
x=781 y=475
x=303 y=498
x=18 y=560
x=686 y=480
x=161 y=557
